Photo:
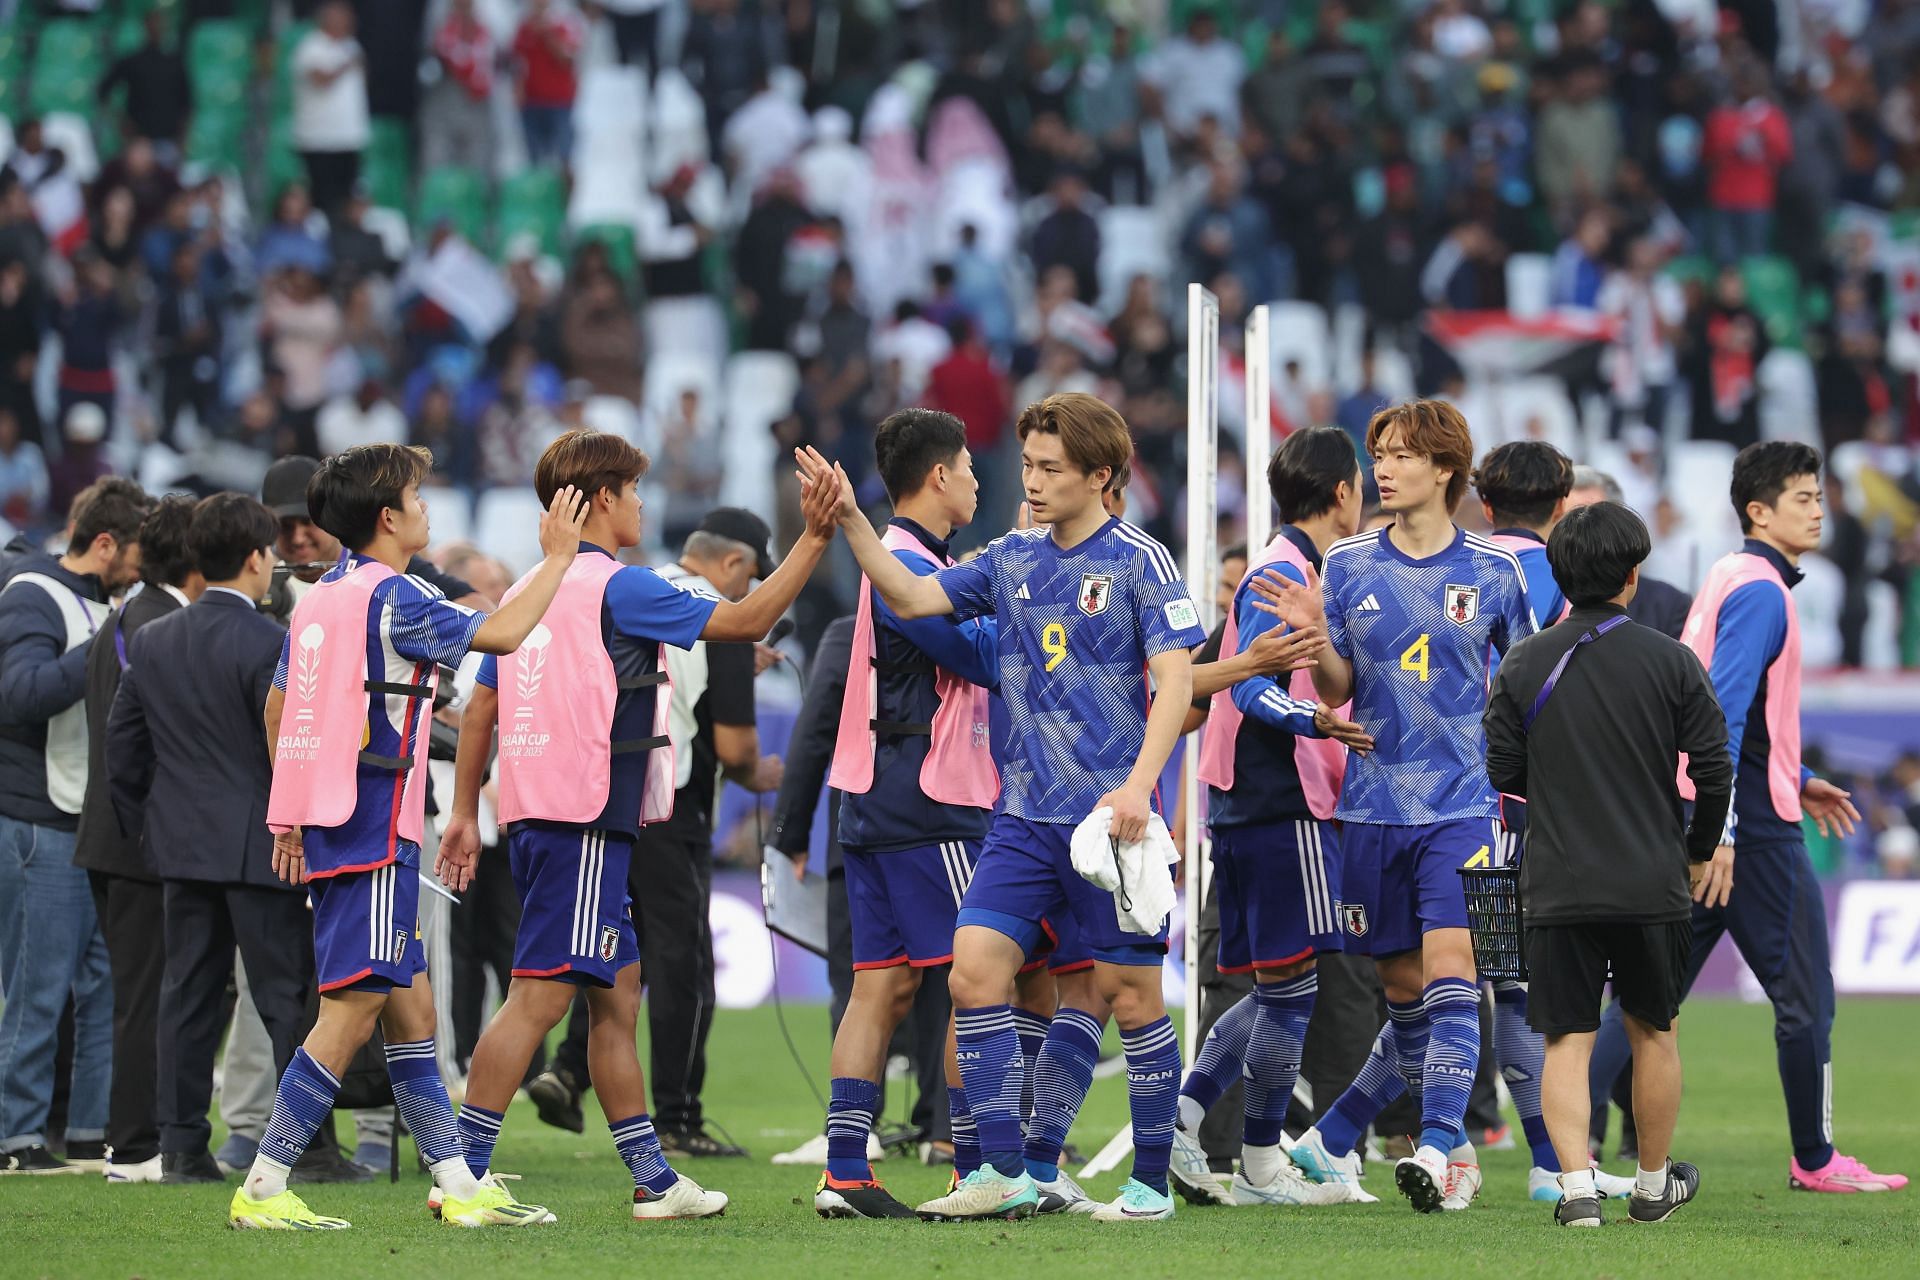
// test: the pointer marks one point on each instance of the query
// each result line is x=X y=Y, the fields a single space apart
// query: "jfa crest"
x=1462 y=604
x=1096 y=593
x=609 y=942
x=1355 y=917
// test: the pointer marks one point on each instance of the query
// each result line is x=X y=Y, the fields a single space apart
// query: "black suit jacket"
x=1660 y=605
x=103 y=844
x=186 y=746
x=810 y=750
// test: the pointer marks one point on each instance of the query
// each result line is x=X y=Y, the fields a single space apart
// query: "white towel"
x=1135 y=872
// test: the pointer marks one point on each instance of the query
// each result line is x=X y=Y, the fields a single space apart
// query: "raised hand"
x=1340 y=730
x=560 y=526
x=1297 y=606
x=1276 y=653
x=459 y=853
x=813 y=468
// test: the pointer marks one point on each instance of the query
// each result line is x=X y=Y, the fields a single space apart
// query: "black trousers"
x=130 y=914
x=670 y=880
x=330 y=178
x=204 y=923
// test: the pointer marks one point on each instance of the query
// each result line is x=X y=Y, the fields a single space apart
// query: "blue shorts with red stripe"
x=1277 y=884
x=366 y=926
x=1398 y=884
x=1059 y=949
x=903 y=902
x=575 y=925
x=1026 y=879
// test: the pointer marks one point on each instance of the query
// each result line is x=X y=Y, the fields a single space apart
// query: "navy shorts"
x=366 y=928
x=1277 y=882
x=1060 y=949
x=903 y=902
x=1398 y=884
x=1025 y=879
x=575 y=925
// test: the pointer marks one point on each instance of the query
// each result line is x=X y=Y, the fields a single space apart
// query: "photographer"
x=1587 y=721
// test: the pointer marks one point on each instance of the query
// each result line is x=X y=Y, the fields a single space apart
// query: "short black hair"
x=1306 y=470
x=1238 y=551
x=114 y=505
x=166 y=556
x=226 y=529
x=1762 y=472
x=351 y=489
x=1593 y=550
x=911 y=443
x=1523 y=481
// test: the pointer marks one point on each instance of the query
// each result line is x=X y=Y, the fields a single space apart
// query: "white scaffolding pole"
x=1259 y=445
x=1203 y=501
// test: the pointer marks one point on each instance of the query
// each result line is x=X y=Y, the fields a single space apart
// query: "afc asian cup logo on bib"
x=609 y=942
x=1096 y=593
x=1462 y=604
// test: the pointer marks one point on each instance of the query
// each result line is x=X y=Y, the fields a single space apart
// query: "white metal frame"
x=1203 y=502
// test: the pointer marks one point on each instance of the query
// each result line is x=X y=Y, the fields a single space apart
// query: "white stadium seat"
x=1298 y=331
x=506 y=523
x=1529 y=284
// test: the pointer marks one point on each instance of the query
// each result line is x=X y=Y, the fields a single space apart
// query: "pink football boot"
x=1843 y=1175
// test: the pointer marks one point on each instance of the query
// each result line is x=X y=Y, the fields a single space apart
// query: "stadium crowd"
x=719 y=227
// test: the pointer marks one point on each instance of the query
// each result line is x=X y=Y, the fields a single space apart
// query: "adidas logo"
x=1021 y=594
x=1370 y=605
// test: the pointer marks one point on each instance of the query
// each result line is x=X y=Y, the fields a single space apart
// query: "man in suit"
x=126 y=892
x=186 y=754
x=1659 y=605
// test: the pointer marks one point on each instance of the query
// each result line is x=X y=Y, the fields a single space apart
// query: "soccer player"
x=916 y=774
x=583 y=762
x=1088 y=607
x=1411 y=614
x=346 y=716
x=1746 y=631
x=1275 y=775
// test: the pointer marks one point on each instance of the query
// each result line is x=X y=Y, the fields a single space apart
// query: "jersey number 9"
x=1415 y=657
x=1053 y=638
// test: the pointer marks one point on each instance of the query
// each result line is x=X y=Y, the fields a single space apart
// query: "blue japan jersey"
x=1421 y=635
x=1077 y=626
x=1544 y=599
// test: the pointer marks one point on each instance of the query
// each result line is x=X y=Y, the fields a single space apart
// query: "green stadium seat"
x=67 y=67
x=618 y=239
x=217 y=136
x=457 y=195
x=1904 y=224
x=283 y=162
x=534 y=202
x=219 y=61
x=282 y=66
x=1773 y=291
x=1693 y=269
x=387 y=167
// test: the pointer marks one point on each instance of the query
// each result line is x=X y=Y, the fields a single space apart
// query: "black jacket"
x=1607 y=836
x=103 y=844
x=186 y=744
x=39 y=678
x=810 y=749
x=1660 y=605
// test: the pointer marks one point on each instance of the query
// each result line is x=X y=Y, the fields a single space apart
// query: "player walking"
x=346 y=714
x=1275 y=776
x=1088 y=608
x=583 y=762
x=1412 y=613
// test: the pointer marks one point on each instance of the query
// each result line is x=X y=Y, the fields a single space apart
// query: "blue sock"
x=1411 y=1034
x=1031 y=1028
x=1521 y=1054
x=1061 y=1079
x=421 y=1096
x=989 y=1054
x=1378 y=1084
x=300 y=1107
x=966 y=1137
x=1453 y=1057
x=1222 y=1056
x=849 y=1121
x=639 y=1146
x=1153 y=1092
x=479 y=1130
x=1273 y=1054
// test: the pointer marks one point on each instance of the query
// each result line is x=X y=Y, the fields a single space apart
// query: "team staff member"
x=1587 y=722
x=188 y=770
x=126 y=891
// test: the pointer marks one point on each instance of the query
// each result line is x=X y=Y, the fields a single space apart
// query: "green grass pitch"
x=1746 y=1223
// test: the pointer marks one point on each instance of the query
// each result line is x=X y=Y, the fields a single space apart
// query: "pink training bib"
x=959 y=766
x=557 y=694
x=1729 y=573
x=1322 y=762
x=323 y=719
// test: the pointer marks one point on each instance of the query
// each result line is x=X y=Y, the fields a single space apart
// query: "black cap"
x=285 y=488
x=741 y=525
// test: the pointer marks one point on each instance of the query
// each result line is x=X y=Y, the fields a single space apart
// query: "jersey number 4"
x=1414 y=659
x=1053 y=638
